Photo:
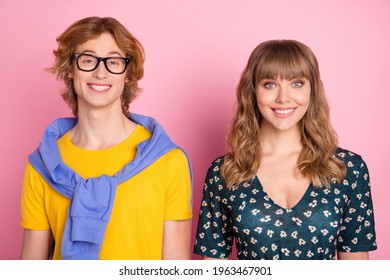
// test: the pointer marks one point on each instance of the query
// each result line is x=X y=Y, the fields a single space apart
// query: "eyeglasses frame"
x=104 y=59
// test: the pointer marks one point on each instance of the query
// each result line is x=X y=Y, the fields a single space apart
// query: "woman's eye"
x=297 y=84
x=269 y=85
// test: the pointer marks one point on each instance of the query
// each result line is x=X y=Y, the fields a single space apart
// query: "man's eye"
x=88 y=61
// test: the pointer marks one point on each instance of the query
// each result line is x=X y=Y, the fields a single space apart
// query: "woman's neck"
x=280 y=142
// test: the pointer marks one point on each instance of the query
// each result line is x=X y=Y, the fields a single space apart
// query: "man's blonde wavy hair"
x=91 y=28
x=285 y=59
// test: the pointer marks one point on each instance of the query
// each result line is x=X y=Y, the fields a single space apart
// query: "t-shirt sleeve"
x=179 y=187
x=214 y=236
x=33 y=201
x=358 y=227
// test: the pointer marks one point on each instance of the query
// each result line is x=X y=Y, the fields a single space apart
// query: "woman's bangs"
x=283 y=64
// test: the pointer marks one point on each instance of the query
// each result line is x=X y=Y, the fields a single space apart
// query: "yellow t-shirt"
x=160 y=192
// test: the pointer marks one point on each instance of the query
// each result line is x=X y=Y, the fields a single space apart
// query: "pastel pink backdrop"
x=195 y=52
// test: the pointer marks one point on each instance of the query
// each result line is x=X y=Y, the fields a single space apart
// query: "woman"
x=106 y=184
x=285 y=190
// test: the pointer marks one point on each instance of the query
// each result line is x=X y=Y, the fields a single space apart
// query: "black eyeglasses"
x=89 y=62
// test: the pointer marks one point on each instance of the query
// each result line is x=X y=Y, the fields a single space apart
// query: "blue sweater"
x=92 y=198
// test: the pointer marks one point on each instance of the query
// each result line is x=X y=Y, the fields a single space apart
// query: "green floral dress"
x=324 y=220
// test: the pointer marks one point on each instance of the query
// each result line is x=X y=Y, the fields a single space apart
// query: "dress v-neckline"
x=300 y=201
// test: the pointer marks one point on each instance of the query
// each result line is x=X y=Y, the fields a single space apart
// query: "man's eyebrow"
x=109 y=53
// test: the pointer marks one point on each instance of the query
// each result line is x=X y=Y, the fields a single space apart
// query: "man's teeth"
x=99 y=87
x=284 y=112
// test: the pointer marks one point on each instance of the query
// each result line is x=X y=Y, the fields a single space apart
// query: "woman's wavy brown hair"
x=285 y=59
x=91 y=28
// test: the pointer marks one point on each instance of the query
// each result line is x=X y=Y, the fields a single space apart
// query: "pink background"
x=195 y=52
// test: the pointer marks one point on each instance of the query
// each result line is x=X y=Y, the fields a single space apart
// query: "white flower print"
x=238 y=219
x=297 y=253
x=355 y=240
x=242 y=195
x=279 y=212
x=270 y=232
x=350 y=164
x=313 y=194
x=283 y=234
x=297 y=221
x=216 y=168
x=267 y=218
x=313 y=203
x=345 y=182
x=214 y=252
x=253 y=240
x=324 y=231
x=367 y=223
x=310 y=254
x=254 y=255
x=285 y=251
x=274 y=247
x=363 y=205
x=242 y=206
x=255 y=212
x=246 y=231
x=203 y=248
x=294 y=234
x=220 y=187
x=314 y=240
x=204 y=203
x=267 y=205
x=324 y=201
x=207 y=225
x=215 y=235
x=312 y=229
x=278 y=223
x=327 y=213
x=252 y=200
x=351 y=210
x=209 y=215
x=259 y=230
x=232 y=197
x=334 y=224
x=369 y=236
x=307 y=213
x=353 y=186
x=360 y=218
x=255 y=191
x=264 y=249
x=276 y=257
x=221 y=244
x=201 y=235
x=301 y=241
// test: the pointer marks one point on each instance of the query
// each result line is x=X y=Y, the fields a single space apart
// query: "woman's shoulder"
x=354 y=163
x=348 y=156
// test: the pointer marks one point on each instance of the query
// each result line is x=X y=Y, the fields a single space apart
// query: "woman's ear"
x=70 y=75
